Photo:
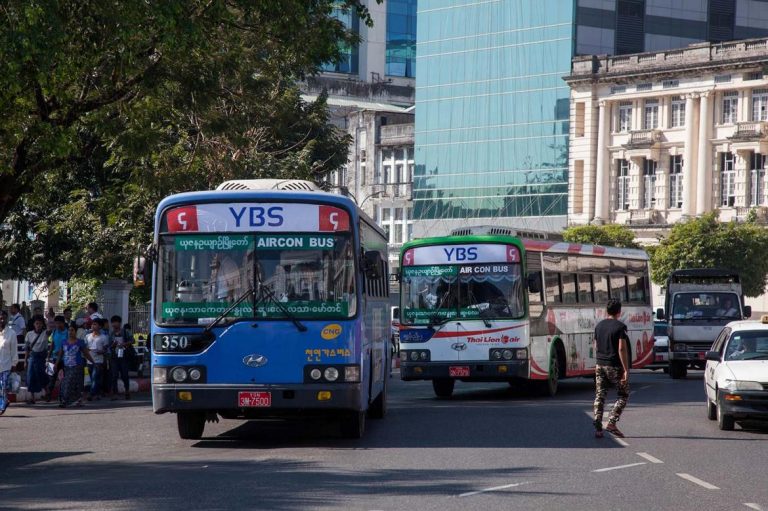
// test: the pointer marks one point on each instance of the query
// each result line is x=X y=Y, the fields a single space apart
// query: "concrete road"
x=488 y=447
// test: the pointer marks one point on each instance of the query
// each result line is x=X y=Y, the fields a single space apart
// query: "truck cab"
x=699 y=303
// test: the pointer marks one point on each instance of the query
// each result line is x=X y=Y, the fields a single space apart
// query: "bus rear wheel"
x=353 y=425
x=191 y=425
x=443 y=387
x=378 y=408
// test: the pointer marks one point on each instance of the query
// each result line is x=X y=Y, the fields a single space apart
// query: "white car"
x=736 y=375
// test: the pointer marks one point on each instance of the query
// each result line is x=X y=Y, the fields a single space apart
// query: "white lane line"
x=495 y=488
x=650 y=458
x=696 y=480
x=752 y=505
x=620 y=467
x=618 y=440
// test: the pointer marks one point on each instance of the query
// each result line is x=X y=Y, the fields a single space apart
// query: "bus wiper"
x=207 y=329
x=483 y=313
x=271 y=296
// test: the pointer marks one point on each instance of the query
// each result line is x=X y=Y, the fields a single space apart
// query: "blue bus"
x=270 y=299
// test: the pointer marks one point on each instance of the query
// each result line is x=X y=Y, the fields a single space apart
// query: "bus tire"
x=443 y=387
x=353 y=425
x=191 y=425
x=678 y=370
x=378 y=408
x=548 y=387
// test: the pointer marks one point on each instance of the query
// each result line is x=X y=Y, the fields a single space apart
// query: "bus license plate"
x=254 y=399
x=458 y=371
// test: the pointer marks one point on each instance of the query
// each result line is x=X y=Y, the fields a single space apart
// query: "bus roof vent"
x=296 y=185
x=506 y=231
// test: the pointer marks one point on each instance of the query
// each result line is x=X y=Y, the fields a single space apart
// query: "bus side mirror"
x=372 y=264
x=747 y=311
x=140 y=271
x=660 y=314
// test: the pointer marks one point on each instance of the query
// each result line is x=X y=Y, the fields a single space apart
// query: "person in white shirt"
x=97 y=344
x=18 y=323
x=9 y=357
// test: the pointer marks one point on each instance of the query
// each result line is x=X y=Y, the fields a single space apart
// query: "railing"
x=397 y=131
x=138 y=318
x=643 y=138
x=750 y=130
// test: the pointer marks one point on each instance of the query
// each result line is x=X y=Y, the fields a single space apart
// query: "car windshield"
x=433 y=294
x=747 y=345
x=660 y=330
x=704 y=306
x=200 y=276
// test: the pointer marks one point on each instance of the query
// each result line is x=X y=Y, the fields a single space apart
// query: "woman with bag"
x=71 y=357
x=36 y=347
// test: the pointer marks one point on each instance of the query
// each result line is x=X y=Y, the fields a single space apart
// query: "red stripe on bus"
x=473 y=332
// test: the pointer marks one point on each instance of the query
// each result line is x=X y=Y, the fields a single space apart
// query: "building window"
x=730 y=107
x=625 y=117
x=760 y=105
x=651 y=114
x=649 y=183
x=676 y=181
x=349 y=56
x=401 y=38
x=622 y=185
x=677 y=112
x=579 y=124
x=757 y=181
x=727 y=179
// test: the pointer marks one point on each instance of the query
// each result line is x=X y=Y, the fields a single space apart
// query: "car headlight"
x=742 y=385
x=331 y=374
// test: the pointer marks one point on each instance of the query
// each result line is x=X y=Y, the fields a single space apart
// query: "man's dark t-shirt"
x=608 y=332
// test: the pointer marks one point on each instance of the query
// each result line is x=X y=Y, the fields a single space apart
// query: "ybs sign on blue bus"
x=268 y=304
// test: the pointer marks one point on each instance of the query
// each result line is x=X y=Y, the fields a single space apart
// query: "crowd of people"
x=58 y=349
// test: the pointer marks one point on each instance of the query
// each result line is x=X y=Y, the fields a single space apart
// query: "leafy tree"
x=706 y=243
x=612 y=235
x=106 y=107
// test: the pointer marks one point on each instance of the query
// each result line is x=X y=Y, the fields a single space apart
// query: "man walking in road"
x=612 y=356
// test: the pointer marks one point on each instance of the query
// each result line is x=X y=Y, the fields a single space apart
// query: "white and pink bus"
x=493 y=304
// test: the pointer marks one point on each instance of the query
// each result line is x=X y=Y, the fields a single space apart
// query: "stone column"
x=113 y=298
x=704 y=159
x=602 y=183
x=636 y=191
x=743 y=176
x=689 y=181
x=662 y=181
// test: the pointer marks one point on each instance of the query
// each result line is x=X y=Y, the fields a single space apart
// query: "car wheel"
x=711 y=410
x=724 y=422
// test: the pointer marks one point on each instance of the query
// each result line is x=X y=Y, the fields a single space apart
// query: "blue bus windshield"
x=201 y=275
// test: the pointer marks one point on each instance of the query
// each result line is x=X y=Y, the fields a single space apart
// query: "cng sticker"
x=331 y=331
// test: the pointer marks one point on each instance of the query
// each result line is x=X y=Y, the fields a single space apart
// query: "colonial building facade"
x=659 y=137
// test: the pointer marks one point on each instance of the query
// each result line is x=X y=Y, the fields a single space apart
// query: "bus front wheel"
x=191 y=425
x=443 y=387
x=353 y=426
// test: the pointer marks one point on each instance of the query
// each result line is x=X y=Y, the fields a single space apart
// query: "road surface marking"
x=620 y=467
x=649 y=457
x=698 y=481
x=645 y=388
x=754 y=506
x=619 y=441
x=495 y=488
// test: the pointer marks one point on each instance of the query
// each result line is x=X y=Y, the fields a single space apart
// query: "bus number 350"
x=174 y=342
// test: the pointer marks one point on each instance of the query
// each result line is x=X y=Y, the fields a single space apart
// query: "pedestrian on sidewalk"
x=19 y=325
x=97 y=344
x=121 y=347
x=58 y=338
x=9 y=357
x=612 y=356
x=72 y=356
x=36 y=348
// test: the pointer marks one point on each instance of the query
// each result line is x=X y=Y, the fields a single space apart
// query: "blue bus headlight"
x=352 y=373
x=315 y=374
x=159 y=375
x=195 y=374
x=331 y=374
x=178 y=374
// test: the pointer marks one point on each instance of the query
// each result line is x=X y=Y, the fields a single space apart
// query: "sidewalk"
x=134 y=385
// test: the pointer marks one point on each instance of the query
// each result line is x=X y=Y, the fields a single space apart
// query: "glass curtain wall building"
x=492 y=112
x=401 y=38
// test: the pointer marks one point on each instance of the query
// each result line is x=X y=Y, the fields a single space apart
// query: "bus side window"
x=568 y=281
x=636 y=288
x=553 y=287
x=585 y=288
x=618 y=287
x=535 y=295
x=600 y=283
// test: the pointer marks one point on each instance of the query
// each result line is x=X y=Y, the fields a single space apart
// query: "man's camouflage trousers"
x=605 y=376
